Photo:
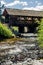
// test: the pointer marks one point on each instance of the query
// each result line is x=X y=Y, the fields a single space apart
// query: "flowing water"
x=21 y=53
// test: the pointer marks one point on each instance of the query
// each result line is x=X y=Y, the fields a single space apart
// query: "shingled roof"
x=24 y=12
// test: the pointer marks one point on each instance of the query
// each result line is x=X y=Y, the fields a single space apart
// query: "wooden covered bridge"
x=24 y=19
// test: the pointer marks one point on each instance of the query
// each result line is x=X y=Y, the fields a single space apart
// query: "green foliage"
x=40 y=33
x=5 y=31
x=15 y=28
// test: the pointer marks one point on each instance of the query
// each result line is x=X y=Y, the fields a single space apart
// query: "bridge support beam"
x=25 y=29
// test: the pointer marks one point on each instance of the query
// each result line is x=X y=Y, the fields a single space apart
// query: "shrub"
x=15 y=28
x=5 y=31
x=40 y=34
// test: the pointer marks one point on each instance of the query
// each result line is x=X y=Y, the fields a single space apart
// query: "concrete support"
x=25 y=29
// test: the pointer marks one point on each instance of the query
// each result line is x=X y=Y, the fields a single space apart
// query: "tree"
x=40 y=34
x=0 y=10
x=1 y=7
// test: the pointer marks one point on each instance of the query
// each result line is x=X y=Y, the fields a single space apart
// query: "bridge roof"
x=18 y=12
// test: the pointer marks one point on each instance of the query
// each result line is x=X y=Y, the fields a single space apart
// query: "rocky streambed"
x=20 y=53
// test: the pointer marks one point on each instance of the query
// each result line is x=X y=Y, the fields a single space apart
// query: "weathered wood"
x=13 y=18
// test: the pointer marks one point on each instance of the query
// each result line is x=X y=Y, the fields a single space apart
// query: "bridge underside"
x=30 y=28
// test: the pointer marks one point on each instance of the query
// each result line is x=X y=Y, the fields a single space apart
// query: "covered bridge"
x=24 y=19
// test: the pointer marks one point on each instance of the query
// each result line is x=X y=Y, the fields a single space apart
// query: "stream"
x=20 y=53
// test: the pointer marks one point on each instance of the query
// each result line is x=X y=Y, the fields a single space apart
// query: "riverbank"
x=9 y=41
x=25 y=37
